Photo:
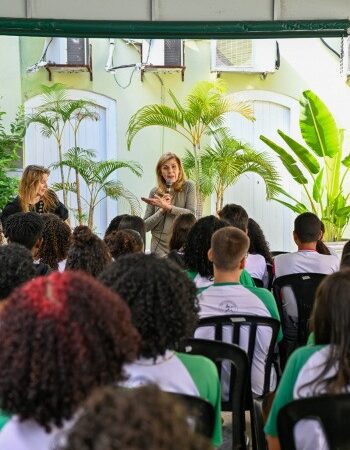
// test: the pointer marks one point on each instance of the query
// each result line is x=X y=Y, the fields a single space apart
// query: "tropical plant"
x=96 y=175
x=323 y=172
x=225 y=161
x=10 y=144
x=202 y=112
x=55 y=114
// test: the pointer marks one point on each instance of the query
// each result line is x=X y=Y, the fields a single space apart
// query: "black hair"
x=308 y=227
x=136 y=223
x=345 y=257
x=198 y=243
x=123 y=242
x=24 y=228
x=258 y=243
x=181 y=227
x=161 y=298
x=16 y=267
x=114 y=224
x=235 y=215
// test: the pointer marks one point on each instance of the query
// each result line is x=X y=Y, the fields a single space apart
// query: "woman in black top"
x=34 y=195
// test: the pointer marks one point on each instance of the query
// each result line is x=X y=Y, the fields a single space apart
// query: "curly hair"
x=198 y=243
x=87 y=252
x=258 y=243
x=162 y=300
x=61 y=336
x=133 y=419
x=114 y=224
x=24 y=228
x=16 y=267
x=56 y=241
x=123 y=242
x=136 y=223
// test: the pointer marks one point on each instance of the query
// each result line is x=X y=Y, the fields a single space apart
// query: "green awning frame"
x=166 y=29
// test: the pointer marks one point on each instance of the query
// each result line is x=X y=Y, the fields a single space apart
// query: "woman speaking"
x=34 y=195
x=174 y=195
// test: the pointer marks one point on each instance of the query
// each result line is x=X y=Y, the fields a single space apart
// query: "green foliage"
x=202 y=112
x=318 y=166
x=10 y=143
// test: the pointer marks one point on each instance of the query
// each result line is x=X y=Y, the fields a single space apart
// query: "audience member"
x=181 y=227
x=57 y=237
x=16 y=267
x=114 y=224
x=321 y=247
x=321 y=368
x=235 y=215
x=307 y=232
x=228 y=252
x=27 y=229
x=259 y=254
x=136 y=223
x=199 y=268
x=144 y=418
x=124 y=242
x=345 y=257
x=87 y=252
x=61 y=336
x=164 y=310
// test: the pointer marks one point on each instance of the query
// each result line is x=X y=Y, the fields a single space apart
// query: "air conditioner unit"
x=163 y=53
x=68 y=51
x=345 y=58
x=244 y=55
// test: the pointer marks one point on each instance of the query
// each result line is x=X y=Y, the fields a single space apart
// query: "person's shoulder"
x=301 y=355
x=204 y=363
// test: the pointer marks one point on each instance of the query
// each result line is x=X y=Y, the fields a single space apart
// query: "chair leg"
x=259 y=441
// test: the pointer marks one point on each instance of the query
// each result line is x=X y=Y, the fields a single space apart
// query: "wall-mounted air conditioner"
x=244 y=55
x=163 y=52
x=68 y=51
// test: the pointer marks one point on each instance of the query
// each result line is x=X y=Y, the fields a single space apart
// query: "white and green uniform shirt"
x=257 y=268
x=180 y=373
x=304 y=366
x=203 y=282
x=233 y=298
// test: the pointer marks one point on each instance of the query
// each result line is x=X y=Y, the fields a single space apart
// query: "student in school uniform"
x=227 y=295
x=259 y=254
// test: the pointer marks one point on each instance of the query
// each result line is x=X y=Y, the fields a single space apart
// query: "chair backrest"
x=240 y=392
x=258 y=282
x=278 y=252
x=237 y=322
x=200 y=413
x=332 y=411
x=304 y=286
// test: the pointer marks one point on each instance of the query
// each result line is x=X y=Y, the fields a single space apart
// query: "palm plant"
x=203 y=111
x=225 y=161
x=96 y=175
x=58 y=111
x=323 y=172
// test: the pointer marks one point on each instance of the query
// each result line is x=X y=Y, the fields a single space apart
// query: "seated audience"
x=228 y=252
x=16 y=267
x=57 y=237
x=321 y=247
x=126 y=221
x=27 y=229
x=124 y=242
x=61 y=336
x=114 y=224
x=199 y=268
x=259 y=254
x=164 y=310
x=2 y=238
x=345 y=257
x=322 y=368
x=87 y=252
x=144 y=418
x=181 y=227
x=307 y=232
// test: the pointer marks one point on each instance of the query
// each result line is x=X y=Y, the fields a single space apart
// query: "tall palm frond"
x=117 y=191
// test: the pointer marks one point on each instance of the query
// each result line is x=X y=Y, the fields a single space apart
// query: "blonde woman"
x=34 y=195
x=173 y=196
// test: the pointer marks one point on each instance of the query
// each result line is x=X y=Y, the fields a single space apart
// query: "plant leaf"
x=318 y=188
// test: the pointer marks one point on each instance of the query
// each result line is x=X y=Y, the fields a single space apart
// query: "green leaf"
x=346 y=161
x=296 y=208
x=318 y=126
x=318 y=188
x=343 y=212
x=307 y=158
x=287 y=160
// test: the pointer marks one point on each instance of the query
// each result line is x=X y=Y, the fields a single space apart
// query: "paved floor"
x=227 y=430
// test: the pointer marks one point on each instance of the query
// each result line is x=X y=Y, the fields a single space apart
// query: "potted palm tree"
x=202 y=112
x=318 y=165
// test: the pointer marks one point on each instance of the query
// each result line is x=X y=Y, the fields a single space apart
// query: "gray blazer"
x=160 y=224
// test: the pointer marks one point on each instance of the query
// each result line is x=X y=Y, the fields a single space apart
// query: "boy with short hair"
x=228 y=252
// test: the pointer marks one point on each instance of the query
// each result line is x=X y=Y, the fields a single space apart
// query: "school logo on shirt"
x=228 y=306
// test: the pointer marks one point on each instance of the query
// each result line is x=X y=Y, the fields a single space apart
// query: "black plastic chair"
x=278 y=252
x=332 y=411
x=239 y=392
x=258 y=282
x=304 y=286
x=200 y=413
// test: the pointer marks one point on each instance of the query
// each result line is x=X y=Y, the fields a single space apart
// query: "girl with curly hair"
x=164 y=309
x=87 y=252
x=199 y=268
x=124 y=242
x=259 y=254
x=61 y=336
x=57 y=237
x=144 y=418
